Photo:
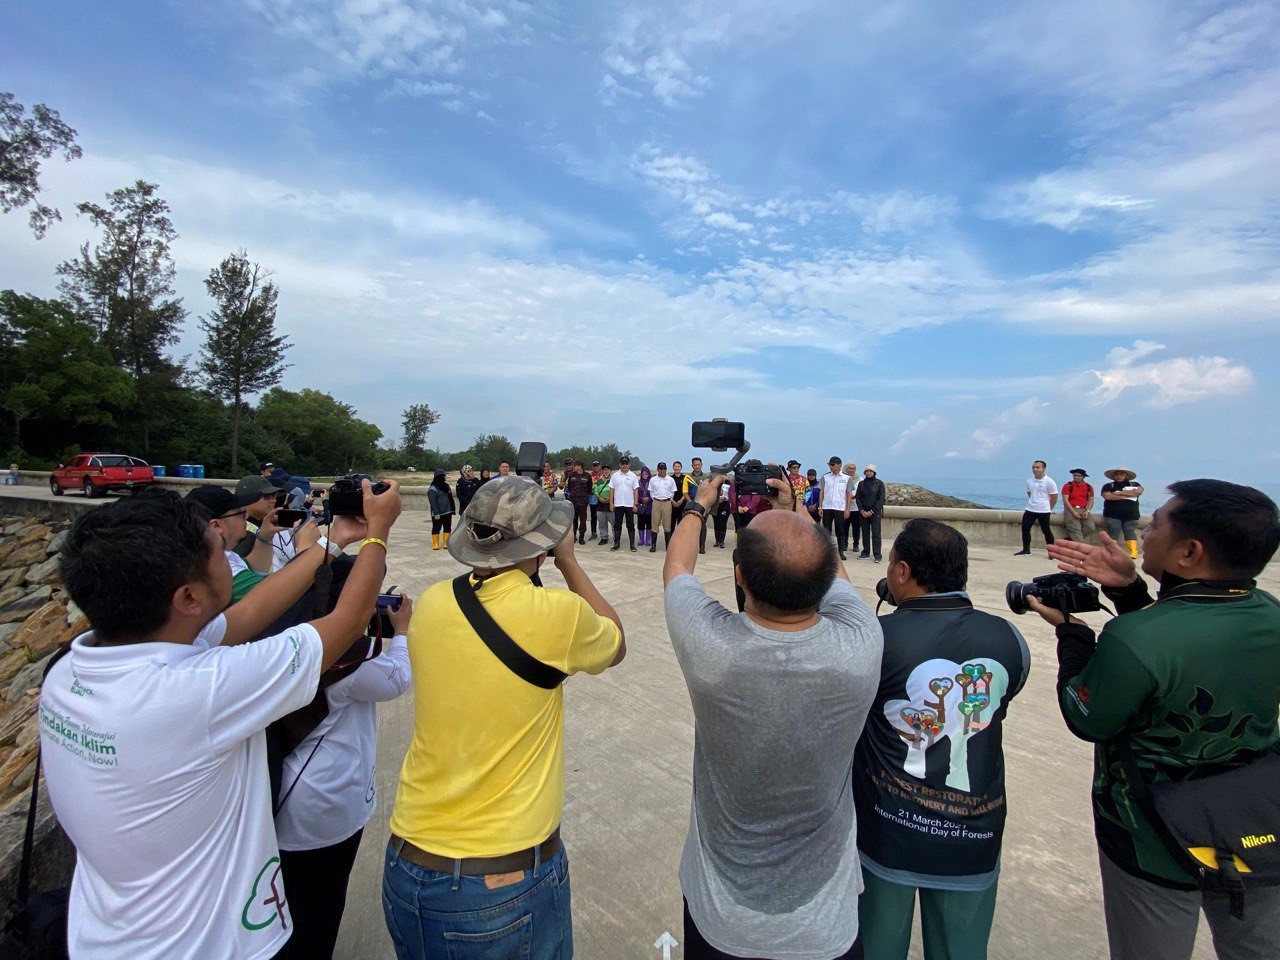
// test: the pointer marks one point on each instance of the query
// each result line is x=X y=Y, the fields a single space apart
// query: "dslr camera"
x=750 y=476
x=1068 y=592
x=346 y=496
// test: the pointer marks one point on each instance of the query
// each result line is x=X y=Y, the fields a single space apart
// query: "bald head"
x=785 y=562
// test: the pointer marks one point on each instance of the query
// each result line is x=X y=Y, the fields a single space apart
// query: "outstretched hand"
x=1108 y=563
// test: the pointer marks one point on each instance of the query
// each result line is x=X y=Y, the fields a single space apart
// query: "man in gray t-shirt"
x=780 y=692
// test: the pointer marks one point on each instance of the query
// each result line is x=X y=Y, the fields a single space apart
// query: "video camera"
x=346 y=495
x=749 y=476
x=1068 y=592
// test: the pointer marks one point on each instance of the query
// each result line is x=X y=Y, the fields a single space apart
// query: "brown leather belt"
x=478 y=866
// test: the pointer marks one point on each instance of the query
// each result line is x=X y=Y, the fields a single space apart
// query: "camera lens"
x=882 y=591
x=1015 y=595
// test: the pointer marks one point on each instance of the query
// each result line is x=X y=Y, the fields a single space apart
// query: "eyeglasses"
x=234 y=513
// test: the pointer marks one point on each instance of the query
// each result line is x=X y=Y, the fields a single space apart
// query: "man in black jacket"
x=870 y=499
x=928 y=774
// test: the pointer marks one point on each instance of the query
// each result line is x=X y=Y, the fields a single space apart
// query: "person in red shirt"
x=1077 y=507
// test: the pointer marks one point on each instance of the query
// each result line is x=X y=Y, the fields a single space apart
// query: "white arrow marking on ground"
x=665 y=943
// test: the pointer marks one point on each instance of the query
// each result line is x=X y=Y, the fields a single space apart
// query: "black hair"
x=1041 y=462
x=937 y=554
x=122 y=562
x=1238 y=525
x=775 y=580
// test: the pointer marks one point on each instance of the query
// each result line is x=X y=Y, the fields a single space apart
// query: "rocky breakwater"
x=914 y=495
x=36 y=618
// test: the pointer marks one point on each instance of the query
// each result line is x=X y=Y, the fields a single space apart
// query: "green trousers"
x=956 y=923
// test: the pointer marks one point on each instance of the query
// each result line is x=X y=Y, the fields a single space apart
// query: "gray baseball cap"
x=259 y=486
x=520 y=521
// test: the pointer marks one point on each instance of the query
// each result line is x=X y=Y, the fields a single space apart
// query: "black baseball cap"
x=661 y=465
x=219 y=500
x=624 y=459
x=792 y=463
x=834 y=460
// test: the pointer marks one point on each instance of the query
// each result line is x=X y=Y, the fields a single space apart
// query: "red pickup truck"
x=98 y=473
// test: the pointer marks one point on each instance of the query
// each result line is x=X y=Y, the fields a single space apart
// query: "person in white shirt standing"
x=328 y=791
x=622 y=501
x=152 y=727
x=834 y=504
x=1042 y=497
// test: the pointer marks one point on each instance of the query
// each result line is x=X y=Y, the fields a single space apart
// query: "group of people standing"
x=1120 y=510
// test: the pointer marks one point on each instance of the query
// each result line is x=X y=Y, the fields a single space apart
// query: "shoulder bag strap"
x=23 y=893
x=517 y=660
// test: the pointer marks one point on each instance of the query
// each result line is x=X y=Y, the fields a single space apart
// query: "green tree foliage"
x=605 y=453
x=487 y=451
x=242 y=353
x=124 y=286
x=52 y=369
x=417 y=420
x=24 y=142
x=311 y=433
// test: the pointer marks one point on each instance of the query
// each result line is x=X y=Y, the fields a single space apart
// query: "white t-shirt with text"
x=156 y=764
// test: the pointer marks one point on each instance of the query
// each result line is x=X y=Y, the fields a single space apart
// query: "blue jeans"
x=437 y=916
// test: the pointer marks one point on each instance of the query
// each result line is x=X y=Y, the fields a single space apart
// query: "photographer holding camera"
x=152 y=727
x=780 y=692
x=1187 y=684
x=475 y=857
x=932 y=756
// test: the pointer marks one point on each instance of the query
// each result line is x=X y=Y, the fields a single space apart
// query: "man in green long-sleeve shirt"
x=1189 y=680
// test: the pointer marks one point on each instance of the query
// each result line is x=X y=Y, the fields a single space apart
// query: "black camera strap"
x=514 y=657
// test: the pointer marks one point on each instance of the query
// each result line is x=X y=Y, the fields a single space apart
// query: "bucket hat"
x=520 y=521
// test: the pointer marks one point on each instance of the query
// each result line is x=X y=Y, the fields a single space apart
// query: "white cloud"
x=1123 y=356
x=1174 y=382
x=929 y=428
x=989 y=440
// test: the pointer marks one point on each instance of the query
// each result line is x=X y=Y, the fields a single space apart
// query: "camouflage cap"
x=522 y=520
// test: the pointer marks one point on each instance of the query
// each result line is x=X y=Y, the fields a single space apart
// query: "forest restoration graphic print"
x=947 y=699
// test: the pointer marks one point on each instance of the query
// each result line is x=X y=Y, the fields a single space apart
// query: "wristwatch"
x=697 y=510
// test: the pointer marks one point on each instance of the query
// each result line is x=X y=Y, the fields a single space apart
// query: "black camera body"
x=346 y=496
x=1068 y=592
x=750 y=476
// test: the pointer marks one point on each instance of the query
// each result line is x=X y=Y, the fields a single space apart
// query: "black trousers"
x=837 y=519
x=1029 y=520
x=697 y=948
x=444 y=523
x=721 y=523
x=315 y=881
x=580 y=520
x=621 y=514
x=595 y=513
x=870 y=534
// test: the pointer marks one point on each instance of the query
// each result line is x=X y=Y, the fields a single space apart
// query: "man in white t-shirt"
x=152 y=727
x=622 y=501
x=1042 y=497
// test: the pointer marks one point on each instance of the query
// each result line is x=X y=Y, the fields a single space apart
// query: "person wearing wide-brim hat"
x=481 y=791
x=1120 y=510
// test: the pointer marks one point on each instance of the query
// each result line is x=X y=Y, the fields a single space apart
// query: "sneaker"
x=1023 y=553
x=878 y=559
x=633 y=549
x=617 y=546
x=603 y=542
x=864 y=556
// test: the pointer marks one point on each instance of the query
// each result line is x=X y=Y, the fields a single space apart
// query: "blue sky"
x=948 y=241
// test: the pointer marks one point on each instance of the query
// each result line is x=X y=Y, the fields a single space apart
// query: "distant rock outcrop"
x=914 y=495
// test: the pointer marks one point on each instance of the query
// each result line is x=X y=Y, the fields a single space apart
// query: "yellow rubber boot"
x=1133 y=548
x=446 y=539
x=435 y=541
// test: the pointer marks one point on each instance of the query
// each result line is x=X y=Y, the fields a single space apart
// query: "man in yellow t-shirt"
x=475 y=851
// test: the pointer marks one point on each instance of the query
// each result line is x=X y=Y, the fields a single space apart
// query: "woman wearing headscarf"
x=485 y=475
x=644 y=510
x=466 y=487
x=440 y=499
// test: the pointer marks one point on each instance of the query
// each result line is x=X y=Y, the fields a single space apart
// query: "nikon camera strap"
x=517 y=660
